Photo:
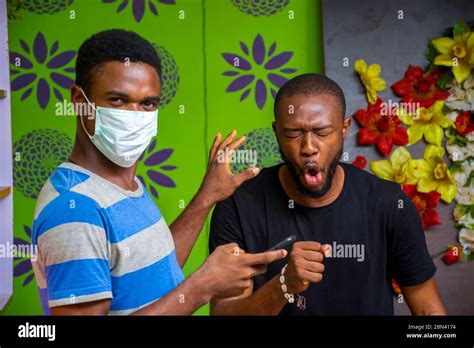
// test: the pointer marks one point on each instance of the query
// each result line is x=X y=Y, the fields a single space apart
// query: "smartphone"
x=285 y=242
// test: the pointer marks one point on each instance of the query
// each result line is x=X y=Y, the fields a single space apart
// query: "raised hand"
x=219 y=182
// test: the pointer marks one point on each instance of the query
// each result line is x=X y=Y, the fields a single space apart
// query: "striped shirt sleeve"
x=73 y=247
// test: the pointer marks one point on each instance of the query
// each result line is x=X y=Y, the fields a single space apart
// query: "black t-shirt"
x=370 y=215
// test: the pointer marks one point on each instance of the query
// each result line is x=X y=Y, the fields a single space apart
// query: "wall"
x=6 y=180
x=372 y=30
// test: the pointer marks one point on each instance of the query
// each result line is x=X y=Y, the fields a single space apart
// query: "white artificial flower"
x=469 y=82
x=461 y=97
x=460 y=178
x=463 y=217
x=470 y=148
x=465 y=195
x=456 y=152
x=467 y=166
x=466 y=238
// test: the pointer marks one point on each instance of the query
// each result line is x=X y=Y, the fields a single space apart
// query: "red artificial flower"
x=417 y=88
x=380 y=127
x=396 y=288
x=360 y=162
x=464 y=123
x=451 y=256
x=425 y=204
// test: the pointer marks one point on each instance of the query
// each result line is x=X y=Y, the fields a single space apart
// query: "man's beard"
x=329 y=170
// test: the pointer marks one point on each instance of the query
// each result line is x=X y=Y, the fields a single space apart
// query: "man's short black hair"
x=113 y=45
x=311 y=84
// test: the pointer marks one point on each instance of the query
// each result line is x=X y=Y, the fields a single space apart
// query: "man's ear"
x=76 y=94
x=346 y=126
x=81 y=105
x=274 y=125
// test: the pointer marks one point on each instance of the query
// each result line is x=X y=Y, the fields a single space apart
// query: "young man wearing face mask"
x=368 y=226
x=103 y=245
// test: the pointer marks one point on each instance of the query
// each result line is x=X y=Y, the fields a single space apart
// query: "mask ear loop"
x=82 y=121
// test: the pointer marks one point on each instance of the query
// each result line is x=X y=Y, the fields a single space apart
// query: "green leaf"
x=471 y=177
x=460 y=28
x=454 y=138
x=446 y=79
x=461 y=141
x=463 y=209
x=451 y=131
x=455 y=166
x=431 y=52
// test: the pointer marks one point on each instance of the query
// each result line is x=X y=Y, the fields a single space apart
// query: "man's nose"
x=134 y=107
x=309 y=147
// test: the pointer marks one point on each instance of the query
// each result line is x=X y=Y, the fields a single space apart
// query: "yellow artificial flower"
x=457 y=53
x=427 y=122
x=369 y=76
x=396 y=169
x=433 y=173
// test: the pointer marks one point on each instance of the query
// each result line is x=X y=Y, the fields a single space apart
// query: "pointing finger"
x=265 y=257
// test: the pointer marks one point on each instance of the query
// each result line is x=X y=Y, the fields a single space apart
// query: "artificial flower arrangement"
x=437 y=105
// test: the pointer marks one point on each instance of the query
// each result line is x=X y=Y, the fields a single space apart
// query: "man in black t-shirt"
x=354 y=232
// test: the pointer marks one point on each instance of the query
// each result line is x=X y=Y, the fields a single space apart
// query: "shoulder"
x=384 y=198
x=256 y=187
x=363 y=181
x=59 y=184
x=60 y=204
x=249 y=196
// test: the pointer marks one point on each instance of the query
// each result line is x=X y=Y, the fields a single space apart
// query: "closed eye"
x=323 y=131
x=293 y=134
x=323 y=134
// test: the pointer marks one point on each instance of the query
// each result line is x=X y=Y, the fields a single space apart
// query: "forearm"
x=267 y=300
x=440 y=311
x=424 y=299
x=436 y=308
x=187 y=226
x=183 y=300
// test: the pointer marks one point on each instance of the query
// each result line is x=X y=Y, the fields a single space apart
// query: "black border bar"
x=257 y=330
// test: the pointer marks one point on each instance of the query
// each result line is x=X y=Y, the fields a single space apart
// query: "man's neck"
x=288 y=184
x=85 y=154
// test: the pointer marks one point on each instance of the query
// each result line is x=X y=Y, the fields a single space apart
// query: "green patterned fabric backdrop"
x=223 y=61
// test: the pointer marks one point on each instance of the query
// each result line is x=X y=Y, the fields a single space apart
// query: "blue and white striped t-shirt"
x=96 y=241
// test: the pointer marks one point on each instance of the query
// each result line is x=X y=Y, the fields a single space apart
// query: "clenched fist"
x=305 y=266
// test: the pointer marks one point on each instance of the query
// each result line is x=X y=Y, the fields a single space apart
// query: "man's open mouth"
x=313 y=176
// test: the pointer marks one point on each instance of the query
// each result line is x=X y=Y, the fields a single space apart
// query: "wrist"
x=288 y=294
x=201 y=287
x=203 y=200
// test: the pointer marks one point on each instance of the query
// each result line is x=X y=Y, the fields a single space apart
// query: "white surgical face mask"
x=122 y=135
